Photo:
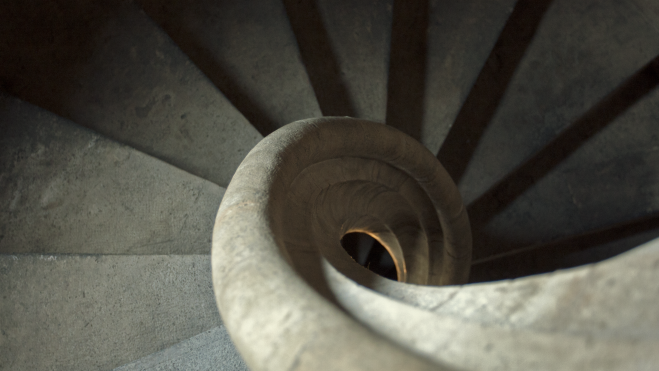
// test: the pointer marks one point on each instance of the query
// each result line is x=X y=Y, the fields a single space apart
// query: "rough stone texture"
x=345 y=47
x=407 y=66
x=602 y=316
x=460 y=35
x=567 y=252
x=107 y=66
x=360 y=35
x=248 y=50
x=212 y=350
x=611 y=179
x=65 y=189
x=84 y=312
x=579 y=119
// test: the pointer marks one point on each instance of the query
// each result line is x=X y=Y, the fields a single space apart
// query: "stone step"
x=98 y=312
x=249 y=52
x=570 y=146
x=460 y=37
x=212 y=350
x=109 y=67
x=66 y=189
x=568 y=252
x=345 y=48
x=597 y=317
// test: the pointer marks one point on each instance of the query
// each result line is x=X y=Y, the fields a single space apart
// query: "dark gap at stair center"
x=369 y=253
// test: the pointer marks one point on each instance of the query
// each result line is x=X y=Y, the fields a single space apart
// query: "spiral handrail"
x=292 y=298
x=262 y=231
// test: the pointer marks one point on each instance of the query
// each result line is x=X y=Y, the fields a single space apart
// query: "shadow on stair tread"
x=498 y=199
x=407 y=66
x=567 y=252
x=109 y=67
x=567 y=142
x=66 y=189
x=490 y=86
x=209 y=351
x=248 y=51
x=319 y=58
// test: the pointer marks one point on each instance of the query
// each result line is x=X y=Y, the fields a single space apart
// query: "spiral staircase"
x=123 y=122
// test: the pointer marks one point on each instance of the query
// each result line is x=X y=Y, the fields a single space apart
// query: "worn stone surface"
x=567 y=252
x=95 y=312
x=248 y=50
x=438 y=50
x=345 y=48
x=66 y=189
x=601 y=316
x=579 y=119
x=460 y=35
x=594 y=46
x=212 y=350
x=274 y=316
x=109 y=67
x=611 y=179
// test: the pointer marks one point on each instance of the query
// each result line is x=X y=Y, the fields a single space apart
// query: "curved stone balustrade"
x=292 y=298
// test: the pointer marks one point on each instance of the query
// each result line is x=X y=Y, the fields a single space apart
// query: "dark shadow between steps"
x=490 y=86
x=593 y=246
x=502 y=194
x=318 y=57
x=407 y=66
x=193 y=47
x=44 y=45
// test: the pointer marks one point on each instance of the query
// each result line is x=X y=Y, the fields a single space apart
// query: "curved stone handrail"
x=294 y=196
x=291 y=298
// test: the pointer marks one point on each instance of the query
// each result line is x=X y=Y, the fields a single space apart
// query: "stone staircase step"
x=463 y=55
x=66 y=189
x=249 y=52
x=597 y=172
x=568 y=252
x=569 y=146
x=108 y=66
x=596 y=317
x=436 y=59
x=580 y=53
x=345 y=48
x=212 y=350
x=98 y=312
